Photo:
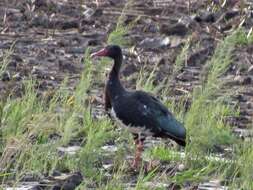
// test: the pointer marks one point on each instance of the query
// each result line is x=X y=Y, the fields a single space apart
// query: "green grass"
x=6 y=60
x=205 y=121
x=145 y=80
x=117 y=36
x=29 y=122
x=182 y=57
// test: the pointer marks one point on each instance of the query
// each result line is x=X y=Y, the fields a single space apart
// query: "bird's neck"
x=114 y=74
x=114 y=85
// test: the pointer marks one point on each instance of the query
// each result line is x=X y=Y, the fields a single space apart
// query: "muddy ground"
x=48 y=40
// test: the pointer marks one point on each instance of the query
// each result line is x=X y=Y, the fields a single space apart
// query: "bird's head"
x=112 y=51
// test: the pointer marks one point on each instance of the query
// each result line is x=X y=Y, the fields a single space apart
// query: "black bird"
x=143 y=114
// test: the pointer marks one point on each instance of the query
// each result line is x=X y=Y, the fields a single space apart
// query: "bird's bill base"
x=100 y=53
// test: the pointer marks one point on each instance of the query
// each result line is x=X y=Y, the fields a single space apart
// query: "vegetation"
x=33 y=127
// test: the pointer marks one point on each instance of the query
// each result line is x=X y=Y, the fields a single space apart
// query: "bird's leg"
x=138 y=153
x=107 y=103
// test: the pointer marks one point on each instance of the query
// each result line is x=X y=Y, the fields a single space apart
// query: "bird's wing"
x=144 y=110
x=165 y=121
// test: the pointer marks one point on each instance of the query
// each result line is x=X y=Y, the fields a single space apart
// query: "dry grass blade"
x=13 y=147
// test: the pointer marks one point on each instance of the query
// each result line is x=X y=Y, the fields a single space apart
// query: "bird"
x=140 y=112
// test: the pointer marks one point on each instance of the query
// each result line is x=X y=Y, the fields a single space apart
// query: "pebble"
x=154 y=43
x=178 y=29
x=205 y=17
x=212 y=185
x=181 y=167
x=71 y=150
x=17 y=76
x=24 y=186
x=243 y=80
x=67 y=181
x=88 y=13
x=6 y=76
x=250 y=70
x=110 y=148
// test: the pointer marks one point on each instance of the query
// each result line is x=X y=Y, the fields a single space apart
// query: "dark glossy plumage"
x=139 y=109
x=141 y=112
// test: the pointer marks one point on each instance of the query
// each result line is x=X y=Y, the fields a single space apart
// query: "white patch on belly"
x=136 y=130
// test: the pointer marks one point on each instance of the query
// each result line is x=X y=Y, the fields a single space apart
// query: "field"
x=195 y=56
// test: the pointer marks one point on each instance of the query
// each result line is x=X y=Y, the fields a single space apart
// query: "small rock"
x=17 y=58
x=6 y=76
x=88 y=13
x=175 y=42
x=240 y=98
x=40 y=3
x=243 y=80
x=154 y=43
x=25 y=186
x=187 y=21
x=249 y=105
x=29 y=177
x=225 y=27
x=153 y=28
x=107 y=166
x=64 y=24
x=71 y=150
x=176 y=29
x=100 y=3
x=65 y=65
x=161 y=61
x=13 y=63
x=230 y=14
x=32 y=61
x=56 y=173
x=212 y=184
x=200 y=56
x=156 y=185
x=40 y=20
x=205 y=17
x=181 y=167
x=243 y=133
x=54 y=136
x=75 y=50
x=17 y=77
x=250 y=70
x=109 y=148
x=67 y=182
x=36 y=69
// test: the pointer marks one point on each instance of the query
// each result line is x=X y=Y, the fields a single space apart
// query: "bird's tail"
x=173 y=129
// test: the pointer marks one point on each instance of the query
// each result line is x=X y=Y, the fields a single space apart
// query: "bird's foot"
x=152 y=164
x=136 y=164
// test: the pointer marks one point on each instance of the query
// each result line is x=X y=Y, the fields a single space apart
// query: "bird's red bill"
x=102 y=52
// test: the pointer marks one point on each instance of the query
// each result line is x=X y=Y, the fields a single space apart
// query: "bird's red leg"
x=107 y=103
x=138 y=153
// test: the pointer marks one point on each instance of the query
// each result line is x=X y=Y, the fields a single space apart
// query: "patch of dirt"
x=49 y=38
